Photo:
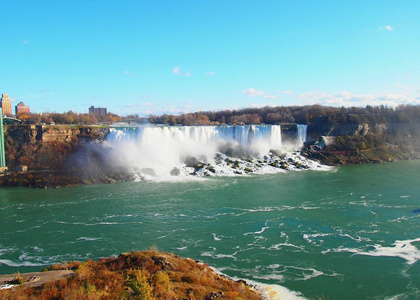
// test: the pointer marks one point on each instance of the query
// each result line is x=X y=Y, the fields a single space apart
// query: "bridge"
x=11 y=120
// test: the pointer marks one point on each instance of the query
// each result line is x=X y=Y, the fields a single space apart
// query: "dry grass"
x=146 y=275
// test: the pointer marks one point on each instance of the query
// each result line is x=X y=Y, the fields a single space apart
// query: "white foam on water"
x=219 y=256
x=216 y=238
x=278 y=292
x=83 y=238
x=260 y=231
x=268 y=291
x=313 y=238
x=6 y=250
x=10 y=263
x=403 y=249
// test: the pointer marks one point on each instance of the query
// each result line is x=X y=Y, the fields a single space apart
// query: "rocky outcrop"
x=30 y=134
x=137 y=275
x=314 y=132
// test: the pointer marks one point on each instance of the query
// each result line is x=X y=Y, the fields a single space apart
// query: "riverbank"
x=367 y=156
x=146 y=274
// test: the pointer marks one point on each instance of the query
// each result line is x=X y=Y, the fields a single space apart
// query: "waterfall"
x=301 y=135
x=254 y=137
x=163 y=150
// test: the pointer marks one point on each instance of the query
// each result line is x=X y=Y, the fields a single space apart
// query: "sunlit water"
x=350 y=233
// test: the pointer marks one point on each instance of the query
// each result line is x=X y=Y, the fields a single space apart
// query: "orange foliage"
x=138 y=275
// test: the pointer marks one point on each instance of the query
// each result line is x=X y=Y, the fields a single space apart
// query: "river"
x=349 y=233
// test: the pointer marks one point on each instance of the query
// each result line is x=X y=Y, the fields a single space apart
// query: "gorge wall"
x=86 y=153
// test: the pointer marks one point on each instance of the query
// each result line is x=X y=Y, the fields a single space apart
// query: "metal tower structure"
x=2 y=154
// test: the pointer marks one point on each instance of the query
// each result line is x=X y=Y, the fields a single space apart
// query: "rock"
x=191 y=161
x=175 y=172
x=214 y=295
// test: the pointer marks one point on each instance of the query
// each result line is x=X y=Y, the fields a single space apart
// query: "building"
x=98 y=111
x=21 y=108
x=6 y=105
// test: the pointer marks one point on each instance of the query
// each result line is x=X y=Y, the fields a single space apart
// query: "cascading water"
x=159 y=151
x=301 y=135
x=246 y=136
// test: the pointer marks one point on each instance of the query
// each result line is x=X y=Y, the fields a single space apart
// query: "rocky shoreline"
x=222 y=165
x=136 y=275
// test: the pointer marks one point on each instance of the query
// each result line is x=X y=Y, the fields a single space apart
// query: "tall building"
x=6 y=105
x=98 y=111
x=22 y=108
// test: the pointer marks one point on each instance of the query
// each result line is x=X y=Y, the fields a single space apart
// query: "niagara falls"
x=210 y=150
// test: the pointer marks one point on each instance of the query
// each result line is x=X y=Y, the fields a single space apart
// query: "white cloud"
x=271 y=97
x=387 y=28
x=25 y=42
x=287 y=92
x=403 y=86
x=177 y=71
x=251 y=92
x=312 y=95
x=257 y=105
x=212 y=73
x=347 y=99
x=129 y=73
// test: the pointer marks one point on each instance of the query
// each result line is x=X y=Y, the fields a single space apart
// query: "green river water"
x=349 y=233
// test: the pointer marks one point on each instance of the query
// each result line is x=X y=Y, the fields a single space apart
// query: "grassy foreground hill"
x=137 y=275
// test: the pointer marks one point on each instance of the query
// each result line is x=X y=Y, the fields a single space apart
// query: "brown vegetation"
x=138 y=275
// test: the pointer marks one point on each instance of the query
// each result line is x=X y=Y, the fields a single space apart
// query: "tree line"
x=69 y=117
x=309 y=114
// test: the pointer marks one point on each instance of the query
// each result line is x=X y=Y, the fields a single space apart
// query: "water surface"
x=350 y=233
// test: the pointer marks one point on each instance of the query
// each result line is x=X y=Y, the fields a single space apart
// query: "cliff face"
x=31 y=134
x=42 y=147
x=340 y=144
x=315 y=132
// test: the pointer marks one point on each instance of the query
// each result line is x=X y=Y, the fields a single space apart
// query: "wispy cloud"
x=177 y=71
x=25 y=42
x=128 y=73
x=212 y=73
x=403 y=86
x=287 y=92
x=251 y=92
x=145 y=97
x=386 y=28
x=150 y=108
x=347 y=99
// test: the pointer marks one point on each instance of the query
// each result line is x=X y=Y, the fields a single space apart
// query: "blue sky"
x=154 y=57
